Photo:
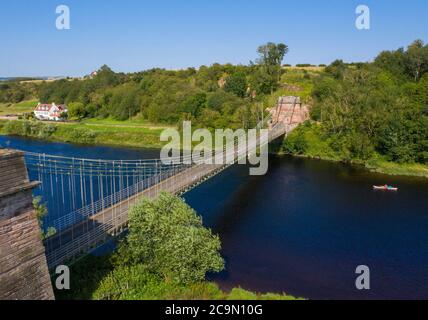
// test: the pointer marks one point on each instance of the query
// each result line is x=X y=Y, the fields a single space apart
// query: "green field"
x=93 y=132
x=17 y=108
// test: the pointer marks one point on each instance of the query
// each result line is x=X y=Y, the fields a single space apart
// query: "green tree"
x=41 y=212
x=336 y=69
x=194 y=104
x=167 y=236
x=76 y=110
x=417 y=59
x=237 y=84
x=270 y=59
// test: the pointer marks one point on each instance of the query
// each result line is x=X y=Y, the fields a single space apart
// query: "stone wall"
x=24 y=273
x=289 y=111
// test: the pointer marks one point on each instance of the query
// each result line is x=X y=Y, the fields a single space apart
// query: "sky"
x=135 y=35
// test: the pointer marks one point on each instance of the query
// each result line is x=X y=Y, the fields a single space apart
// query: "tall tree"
x=270 y=59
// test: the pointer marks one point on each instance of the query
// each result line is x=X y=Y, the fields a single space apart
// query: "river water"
x=305 y=226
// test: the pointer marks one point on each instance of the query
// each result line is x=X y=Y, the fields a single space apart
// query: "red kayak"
x=385 y=187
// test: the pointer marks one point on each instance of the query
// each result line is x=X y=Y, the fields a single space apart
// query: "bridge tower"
x=24 y=272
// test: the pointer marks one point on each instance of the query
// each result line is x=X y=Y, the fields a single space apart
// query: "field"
x=17 y=108
x=93 y=132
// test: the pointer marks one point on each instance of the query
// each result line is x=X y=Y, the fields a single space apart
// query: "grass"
x=134 y=122
x=86 y=133
x=17 y=108
x=377 y=164
x=109 y=135
x=96 y=278
x=295 y=82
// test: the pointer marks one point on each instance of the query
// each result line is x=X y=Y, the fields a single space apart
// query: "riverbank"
x=306 y=141
x=301 y=143
x=91 y=132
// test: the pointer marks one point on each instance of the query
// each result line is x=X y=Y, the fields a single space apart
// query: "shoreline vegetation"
x=309 y=142
x=102 y=132
x=142 y=135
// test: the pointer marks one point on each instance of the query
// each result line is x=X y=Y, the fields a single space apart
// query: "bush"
x=29 y=129
x=82 y=135
x=136 y=283
x=168 y=238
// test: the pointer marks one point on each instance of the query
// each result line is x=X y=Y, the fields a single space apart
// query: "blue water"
x=305 y=226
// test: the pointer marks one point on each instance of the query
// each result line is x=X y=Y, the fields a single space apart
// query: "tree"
x=168 y=237
x=416 y=58
x=237 y=84
x=270 y=59
x=41 y=212
x=76 y=110
x=336 y=69
x=194 y=104
x=272 y=54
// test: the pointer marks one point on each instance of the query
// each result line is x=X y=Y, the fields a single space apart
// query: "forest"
x=371 y=110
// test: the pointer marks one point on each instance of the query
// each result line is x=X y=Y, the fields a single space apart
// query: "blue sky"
x=133 y=35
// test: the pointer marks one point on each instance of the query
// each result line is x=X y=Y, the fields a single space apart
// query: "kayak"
x=387 y=188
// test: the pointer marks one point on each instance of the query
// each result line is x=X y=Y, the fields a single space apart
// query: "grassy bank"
x=309 y=141
x=95 y=278
x=91 y=132
x=17 y=108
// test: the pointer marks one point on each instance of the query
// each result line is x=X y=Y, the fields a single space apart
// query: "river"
x=305 y=226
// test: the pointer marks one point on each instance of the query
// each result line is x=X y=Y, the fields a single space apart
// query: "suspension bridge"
x=88 y=200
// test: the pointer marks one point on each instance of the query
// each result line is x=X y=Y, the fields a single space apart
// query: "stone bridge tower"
x=24 y=272
x=290 y=111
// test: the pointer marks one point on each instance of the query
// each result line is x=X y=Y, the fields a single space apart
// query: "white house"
x=51 y=112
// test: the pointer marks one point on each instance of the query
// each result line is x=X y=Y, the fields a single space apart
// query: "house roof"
x=48 y=107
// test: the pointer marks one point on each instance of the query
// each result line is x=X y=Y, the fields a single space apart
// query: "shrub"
x=168 y=237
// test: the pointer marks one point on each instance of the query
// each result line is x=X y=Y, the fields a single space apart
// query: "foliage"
x=237 y=84
x=267 y=75
x=168 y=238
x=101 y=132
x=304 y=65
x=377 y=108
x=32 y=129
x=76 y=110
x=16 y=91
x=20 y=108
x=86 y=275
x=135 y=283
x=405 y=65
x=41 y=212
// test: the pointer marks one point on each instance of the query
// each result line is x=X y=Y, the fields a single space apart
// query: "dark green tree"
x=237 y=84
x=168 y=237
